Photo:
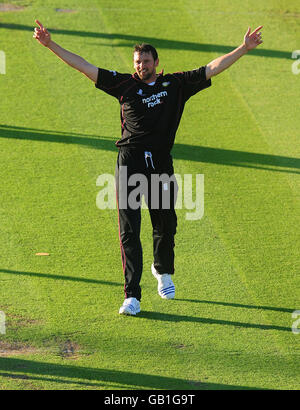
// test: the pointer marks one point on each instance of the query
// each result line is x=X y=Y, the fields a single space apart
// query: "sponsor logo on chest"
x=154 y=99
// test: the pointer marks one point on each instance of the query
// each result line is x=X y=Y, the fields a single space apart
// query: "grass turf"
x=236 y=268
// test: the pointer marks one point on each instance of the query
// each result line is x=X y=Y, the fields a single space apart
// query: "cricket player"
x=151 y=106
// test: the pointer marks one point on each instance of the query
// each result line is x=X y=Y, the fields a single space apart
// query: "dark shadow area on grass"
x=34 y=134
x=236 y=158
x=128 y=40
x=46 y=372
x=239 y=305
x=219 y=156
x=59 y=277
x=168 y=317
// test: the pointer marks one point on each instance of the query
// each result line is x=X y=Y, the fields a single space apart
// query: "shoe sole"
x=127 y=313
x=168 y=297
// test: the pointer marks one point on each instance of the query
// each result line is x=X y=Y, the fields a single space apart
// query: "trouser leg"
x=164 y=224
x=131 y=251
x=129 y=235
x=164 y=220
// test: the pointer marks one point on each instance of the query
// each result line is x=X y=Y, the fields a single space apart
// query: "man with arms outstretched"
x=151 y=108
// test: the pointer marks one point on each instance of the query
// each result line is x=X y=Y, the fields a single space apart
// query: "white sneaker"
x=131 y=306
x=166 y=287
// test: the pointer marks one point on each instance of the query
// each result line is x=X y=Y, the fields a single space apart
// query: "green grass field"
x=237 y=269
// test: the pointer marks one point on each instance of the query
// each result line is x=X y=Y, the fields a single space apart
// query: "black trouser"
x=137 y=174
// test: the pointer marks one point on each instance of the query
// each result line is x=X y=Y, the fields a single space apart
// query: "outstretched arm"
x=73 y=60
x=220 y=64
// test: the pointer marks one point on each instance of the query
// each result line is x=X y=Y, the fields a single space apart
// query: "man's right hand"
x=73 y=60
x=41 y=34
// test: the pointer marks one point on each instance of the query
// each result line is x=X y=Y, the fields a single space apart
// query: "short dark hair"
x=146 y=48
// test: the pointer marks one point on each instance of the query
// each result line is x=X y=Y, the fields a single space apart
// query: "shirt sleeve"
x=111 y=82
x=193 y=81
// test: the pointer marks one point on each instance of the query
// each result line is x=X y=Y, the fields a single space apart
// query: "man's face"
x=145 y=66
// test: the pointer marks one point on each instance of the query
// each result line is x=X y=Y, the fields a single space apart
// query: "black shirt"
x=150 y=115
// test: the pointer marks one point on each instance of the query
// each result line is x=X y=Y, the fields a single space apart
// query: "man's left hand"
x=254 y=39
